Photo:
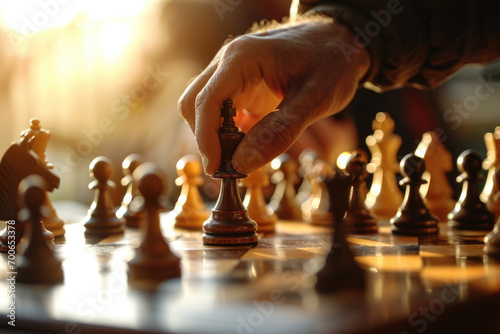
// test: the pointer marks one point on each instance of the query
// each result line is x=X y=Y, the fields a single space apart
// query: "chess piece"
x=51 y=221
x=316 y=209
x=18 y=162
x=470 y=212
x=306 y=160
x=229 y=223
x=153 y=260
x=358 y=216
x=493 y=199
x=384 y=197
x=438 y=194
x=254 y=200
x=131 y=217
x=40 y=139
x=492 y=141
x=340 y=271
x=492 y=241
x=365 y=157
x=190 y=211
x=38 y=263
x=101 y=219
x=413 y=217
x=283 y=200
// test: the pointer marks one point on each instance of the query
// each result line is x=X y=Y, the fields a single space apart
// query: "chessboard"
x=352 y=261
x=414 y=284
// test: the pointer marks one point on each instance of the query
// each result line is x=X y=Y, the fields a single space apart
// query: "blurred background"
x=105 y=76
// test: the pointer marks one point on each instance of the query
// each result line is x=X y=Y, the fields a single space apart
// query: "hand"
x=301 y=68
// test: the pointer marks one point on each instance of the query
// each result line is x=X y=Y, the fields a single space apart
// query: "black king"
x=229 y=223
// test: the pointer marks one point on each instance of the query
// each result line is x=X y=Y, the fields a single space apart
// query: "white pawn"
x=492 y=240
x=306 y=159
x=125 y=211
x=255 y=202
x=283 y=200
x=315 y=209
x=493 y=199
x=492 y=161
x=384 y=197
x=437 y=193
x=190 y=211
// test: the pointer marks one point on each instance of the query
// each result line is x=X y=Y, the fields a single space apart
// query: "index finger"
x=237 y=71
x=208 y=117
x=186 y=103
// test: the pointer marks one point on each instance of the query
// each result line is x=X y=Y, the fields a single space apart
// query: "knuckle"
x=241 y=43
x=183 y=105
x=200 y=100
x=243 y=48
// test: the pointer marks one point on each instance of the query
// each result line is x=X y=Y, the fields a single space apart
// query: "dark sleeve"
x=417 y=43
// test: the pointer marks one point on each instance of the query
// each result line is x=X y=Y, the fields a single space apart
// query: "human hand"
x=302 y=69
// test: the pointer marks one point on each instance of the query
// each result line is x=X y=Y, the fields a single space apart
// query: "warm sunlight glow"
x=101 y=10
x=29 y=17
x=114 y=38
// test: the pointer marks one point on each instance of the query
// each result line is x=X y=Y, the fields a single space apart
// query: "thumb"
x=269 y=137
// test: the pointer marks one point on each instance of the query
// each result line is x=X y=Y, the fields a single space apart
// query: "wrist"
x=356 y=56
x=353 y=19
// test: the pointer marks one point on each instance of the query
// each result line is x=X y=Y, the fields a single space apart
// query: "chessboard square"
x=460 y=261
x=281 y=254
x=183 y=245
x=425 y=253
x=316 y=250
x=208 y=268
x=87 y=270
x=297 y=228
x=392 y=263
x=385 y=235
x=366 y=241
x=456 y=251
x=78 y=244
x=209 y=253
x=455 y=274
x=251 y=270
x=386 y=250
x=175 y=234
x=292 y=242
x=121 y=239
x=450 y=232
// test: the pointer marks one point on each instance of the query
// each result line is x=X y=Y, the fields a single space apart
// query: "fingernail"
x=204 y=161
x=247 y=159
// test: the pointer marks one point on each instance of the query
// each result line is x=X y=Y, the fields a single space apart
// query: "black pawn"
x=470 y=212
x=358 y=216
x=37 y=264
x=340 y=270
x=229 y=223
x=101 y=220
x=153 y=260
x=413 y=217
